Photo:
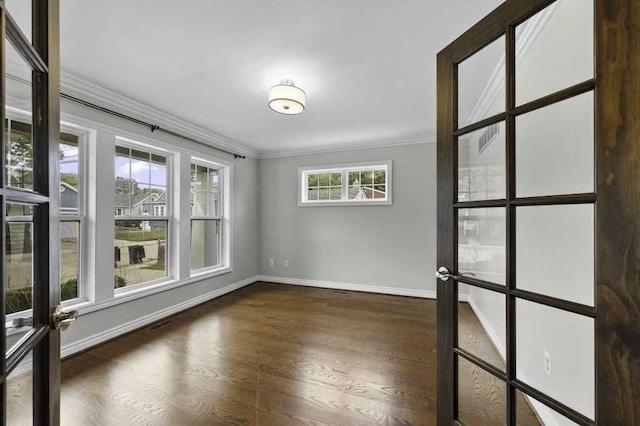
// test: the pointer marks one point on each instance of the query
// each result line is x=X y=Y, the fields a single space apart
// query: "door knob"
x=444 y=274
x=63 y=319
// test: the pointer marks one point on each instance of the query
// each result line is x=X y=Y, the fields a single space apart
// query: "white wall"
x=554 y=155
x=385 y=246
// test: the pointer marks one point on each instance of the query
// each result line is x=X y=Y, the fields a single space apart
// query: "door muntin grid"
x=511 y=203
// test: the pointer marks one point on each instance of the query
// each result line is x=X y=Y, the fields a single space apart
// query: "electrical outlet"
x=547 y=363
x=270 y=262
x=286 y=262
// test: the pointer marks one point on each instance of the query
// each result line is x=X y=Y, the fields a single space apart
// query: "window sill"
x=128 y=295
x=339 y=203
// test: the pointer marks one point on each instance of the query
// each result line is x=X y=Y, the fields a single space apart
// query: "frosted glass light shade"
x=286 y=98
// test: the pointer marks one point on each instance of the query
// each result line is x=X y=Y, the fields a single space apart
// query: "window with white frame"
x=19 y=229
x=346 y=184
x=206 y=216
x=141 y=224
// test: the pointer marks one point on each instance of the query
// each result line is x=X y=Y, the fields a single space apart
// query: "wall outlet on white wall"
x=270 y=262
x=547 y=363
x=286 y=262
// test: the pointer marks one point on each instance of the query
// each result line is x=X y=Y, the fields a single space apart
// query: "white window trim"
x=344 y=169
x=170 y=267
x=225 y=174
x=83 y=278
x=94 y=130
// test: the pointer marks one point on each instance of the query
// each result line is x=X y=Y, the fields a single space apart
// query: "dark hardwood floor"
x=267 y=354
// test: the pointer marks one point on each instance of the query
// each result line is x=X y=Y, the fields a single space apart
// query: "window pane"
x=69 y=259
x=214 y=182
x=213 y=202
x=200 y=206
x=481 y=164
x=336 y=179
x=567 y=341
x=20 y=394
x=481 y=84
x=312 y=180
x=123 y=181
x=69 y=174
x=324 y=193
x=18 y=131
x=379 y=177
x=140 y=251
x=19 y=258
x=482 y=397
x=554 y=58
x=205 y=243
x=201 y=178
x=155 y=201
x=557 y=238
x=367 y=177
x=19 y=154
x=558 y=139
x=313 y=194
x=481 y=243
x=140 y=176
x=158 y=170
x=324 y=179
x=354 y=177
x=481 y=324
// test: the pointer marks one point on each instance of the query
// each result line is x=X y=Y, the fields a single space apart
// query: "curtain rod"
x=152 y=127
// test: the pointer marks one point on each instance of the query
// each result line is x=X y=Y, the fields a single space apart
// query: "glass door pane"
x=554 y=49
x=555 y=354
x=481 y=85
x=481 y=396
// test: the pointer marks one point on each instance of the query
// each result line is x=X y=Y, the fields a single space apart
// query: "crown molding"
x=94 y=93
x=383 y=143
x=496 y=82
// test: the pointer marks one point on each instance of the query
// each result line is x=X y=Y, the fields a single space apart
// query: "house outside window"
x=142 y=220
x=345 y=184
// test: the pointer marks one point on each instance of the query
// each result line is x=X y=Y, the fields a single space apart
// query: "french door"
x=29 y=197
x=538 y=213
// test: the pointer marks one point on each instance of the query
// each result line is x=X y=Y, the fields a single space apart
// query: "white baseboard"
x=86 y=343
x=426 y=294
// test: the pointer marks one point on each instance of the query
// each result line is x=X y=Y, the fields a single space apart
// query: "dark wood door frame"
x=617 y=199
x=43 y=341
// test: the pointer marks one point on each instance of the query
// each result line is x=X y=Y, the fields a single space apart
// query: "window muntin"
x=206 y=217
x=363 y=183
x=141 y=216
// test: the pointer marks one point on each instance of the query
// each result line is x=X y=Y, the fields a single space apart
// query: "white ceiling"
x=368 y=67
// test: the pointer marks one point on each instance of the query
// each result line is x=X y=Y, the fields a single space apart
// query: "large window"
x=347 y=184
x=141 y=216
x=206 y=216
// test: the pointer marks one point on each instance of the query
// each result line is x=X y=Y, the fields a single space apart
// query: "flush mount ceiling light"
x=286 y=98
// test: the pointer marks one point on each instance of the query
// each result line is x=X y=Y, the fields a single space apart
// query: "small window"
x=347 y=184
